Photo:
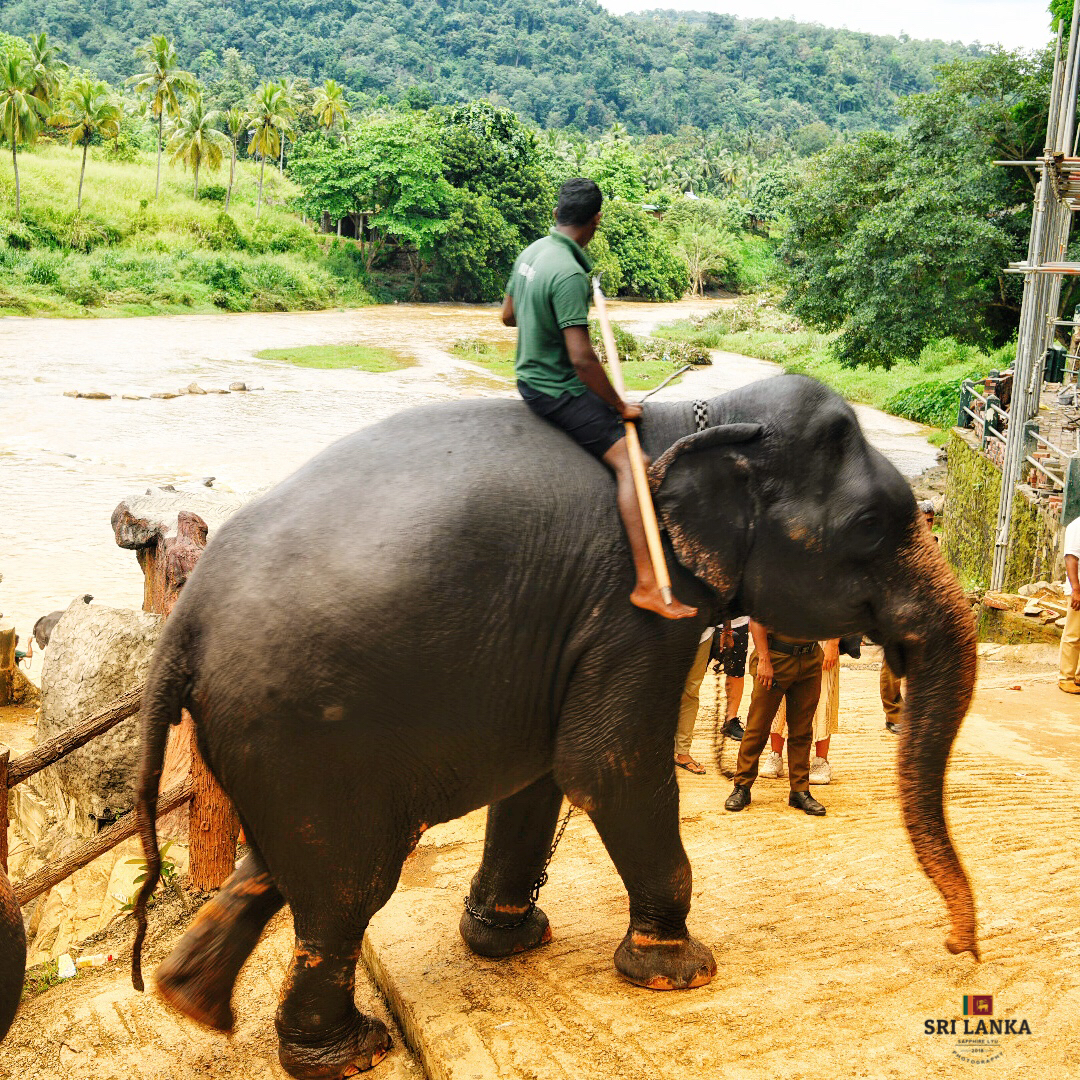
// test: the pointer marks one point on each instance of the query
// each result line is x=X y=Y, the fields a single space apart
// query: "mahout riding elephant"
x=433 y=616
x=12 y=953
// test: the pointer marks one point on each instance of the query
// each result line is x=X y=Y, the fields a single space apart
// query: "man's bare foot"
x=651 y=600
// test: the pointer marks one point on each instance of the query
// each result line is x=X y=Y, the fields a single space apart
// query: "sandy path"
x=828 y=937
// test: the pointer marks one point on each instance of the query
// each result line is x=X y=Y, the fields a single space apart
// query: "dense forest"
x=558 y=63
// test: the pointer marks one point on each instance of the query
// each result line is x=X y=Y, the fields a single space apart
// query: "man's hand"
x=1074 y=600
x=508 y=316
x=832 y=654
x=629 y=411
x=765 y=673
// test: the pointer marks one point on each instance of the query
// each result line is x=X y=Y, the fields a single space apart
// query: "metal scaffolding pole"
x=1049 y=238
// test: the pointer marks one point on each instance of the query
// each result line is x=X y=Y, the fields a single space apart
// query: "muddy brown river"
x=65 y=462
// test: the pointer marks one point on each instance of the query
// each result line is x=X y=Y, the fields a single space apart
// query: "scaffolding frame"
x=1057 y=197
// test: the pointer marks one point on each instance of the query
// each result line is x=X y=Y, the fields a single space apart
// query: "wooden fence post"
x=7 y=661
x=212 y=827
x=5 y=753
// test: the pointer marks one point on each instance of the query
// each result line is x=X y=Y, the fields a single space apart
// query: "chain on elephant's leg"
x=501 y=917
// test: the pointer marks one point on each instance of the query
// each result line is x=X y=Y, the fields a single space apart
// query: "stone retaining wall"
x=971 y=503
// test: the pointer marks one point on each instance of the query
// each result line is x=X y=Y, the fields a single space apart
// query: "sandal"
x=691 y=766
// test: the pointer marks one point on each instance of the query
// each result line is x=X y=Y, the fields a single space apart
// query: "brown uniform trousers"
x=892 y=698
x=798 y=682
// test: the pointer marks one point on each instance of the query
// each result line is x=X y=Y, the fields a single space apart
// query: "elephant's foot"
x=498 y=941
x=358 y=1045
x=658 y=964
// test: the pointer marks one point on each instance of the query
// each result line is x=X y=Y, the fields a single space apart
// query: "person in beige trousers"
x=1069 y=657
x=688 y=707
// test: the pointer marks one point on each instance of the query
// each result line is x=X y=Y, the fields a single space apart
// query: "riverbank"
x=926 y=392
x=127 y=253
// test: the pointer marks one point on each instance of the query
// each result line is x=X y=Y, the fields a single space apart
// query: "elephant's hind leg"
x=198 y=976
x=321 y=1033
x=519 y=833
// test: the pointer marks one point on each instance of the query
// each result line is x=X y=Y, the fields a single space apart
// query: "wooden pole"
x=633 y=447
x=53 y=873
x=7 y=662
x=61 y=745
x=212 y=827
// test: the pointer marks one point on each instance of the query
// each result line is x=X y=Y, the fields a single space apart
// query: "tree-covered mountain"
x=560 y=63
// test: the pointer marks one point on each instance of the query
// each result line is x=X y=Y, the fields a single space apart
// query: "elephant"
x=432 y=616
x=12 y=953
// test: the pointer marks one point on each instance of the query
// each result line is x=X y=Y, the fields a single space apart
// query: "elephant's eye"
x=867 y=531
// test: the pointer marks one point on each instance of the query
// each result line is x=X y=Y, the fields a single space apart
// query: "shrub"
x=212 y=193
x=935 y=402
x=43 y=271
x=17 y=235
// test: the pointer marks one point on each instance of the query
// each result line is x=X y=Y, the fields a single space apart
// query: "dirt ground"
x=829 y=939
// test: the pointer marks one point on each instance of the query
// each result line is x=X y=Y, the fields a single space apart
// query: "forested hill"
x=557 y=62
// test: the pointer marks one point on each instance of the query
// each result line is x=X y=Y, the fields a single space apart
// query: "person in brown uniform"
x=784 y=669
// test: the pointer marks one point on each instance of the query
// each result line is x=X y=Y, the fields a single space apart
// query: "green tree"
x=236 y=122
x=288 y=115
x=477 y=250
x=269 y=117
x=21 y=113
x=649 y=263
x=489 y=151
x=196 y=141
x=163 y=83
x=331 y=106
x=88 y=110
x=46 y=68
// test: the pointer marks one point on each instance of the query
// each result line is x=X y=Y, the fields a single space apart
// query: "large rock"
x=95 y=655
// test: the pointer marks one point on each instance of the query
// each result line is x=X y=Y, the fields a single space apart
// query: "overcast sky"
x=1012 y=23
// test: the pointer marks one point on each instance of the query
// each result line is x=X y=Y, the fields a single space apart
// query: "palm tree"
x=288 y=113
x=46 y=67
x=196 y=141
x=162 y=83
x=268 y=119
x=88 y=110
x=331 y=106
x=21 y=113
x=236 y=122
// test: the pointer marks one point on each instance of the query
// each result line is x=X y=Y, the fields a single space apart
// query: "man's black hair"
x=579 y=202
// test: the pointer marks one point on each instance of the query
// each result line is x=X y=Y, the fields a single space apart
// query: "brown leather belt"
x=787 y=649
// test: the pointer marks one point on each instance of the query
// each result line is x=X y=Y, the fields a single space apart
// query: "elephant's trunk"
x=935 y=633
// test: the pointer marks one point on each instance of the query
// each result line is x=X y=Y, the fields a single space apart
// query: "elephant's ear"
x=702 y=487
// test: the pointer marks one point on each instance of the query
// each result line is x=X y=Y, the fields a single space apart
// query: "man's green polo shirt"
x=550 y=288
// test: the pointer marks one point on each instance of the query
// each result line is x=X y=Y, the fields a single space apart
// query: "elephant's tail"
x=162 y=700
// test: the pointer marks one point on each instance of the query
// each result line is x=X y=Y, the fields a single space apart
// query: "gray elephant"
x=12 y=953
x=484 y=541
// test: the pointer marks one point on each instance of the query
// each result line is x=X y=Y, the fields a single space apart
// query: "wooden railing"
x=212 y=825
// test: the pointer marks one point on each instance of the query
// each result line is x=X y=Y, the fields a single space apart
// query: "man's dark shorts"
x=733 y=660
x=586 y=418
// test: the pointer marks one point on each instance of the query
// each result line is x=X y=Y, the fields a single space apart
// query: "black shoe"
x=733 y=729
x=892 y=728
x=739 y=799
x=804 y=801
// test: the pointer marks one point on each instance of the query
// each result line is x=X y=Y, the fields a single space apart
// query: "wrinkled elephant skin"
x=12 y=954
x=432 y=616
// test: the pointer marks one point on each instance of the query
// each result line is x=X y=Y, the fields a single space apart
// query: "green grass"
x=913 y=390
x=127 y=253
x=365 y=357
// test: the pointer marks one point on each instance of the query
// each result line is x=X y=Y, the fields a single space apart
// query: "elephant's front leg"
x=614 y=758
x=641 y=834
x=500 y=918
